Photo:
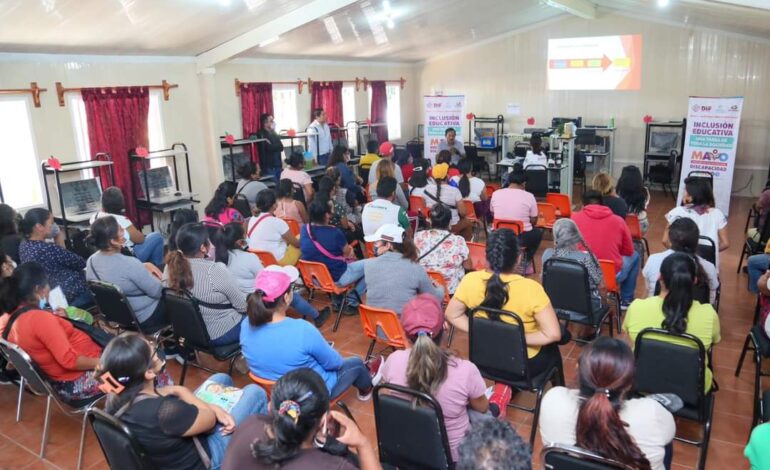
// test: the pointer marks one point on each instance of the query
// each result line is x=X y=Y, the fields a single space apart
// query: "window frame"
x=26 y=100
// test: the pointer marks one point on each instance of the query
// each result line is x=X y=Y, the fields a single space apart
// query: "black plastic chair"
x=573 y=304
x=665 y=174
x=499 y=350
x=760 y=344
x=537 y=180
x=184 y=313
x=114 y=306
x=33 y=378
x=415 y=149
x=119 y=446
x=410 y=429
x=751 y=247
x=707 y=250
x=479 y=163
x=664 y=367
x=764 y=407
x=564 y=457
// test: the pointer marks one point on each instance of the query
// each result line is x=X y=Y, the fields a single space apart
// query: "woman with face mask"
x=175 y=427
x=270 y=151
x=64 y=268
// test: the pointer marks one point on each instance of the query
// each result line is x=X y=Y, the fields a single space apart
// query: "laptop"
x=161 y=186
x=81 y=199
x=239 y=158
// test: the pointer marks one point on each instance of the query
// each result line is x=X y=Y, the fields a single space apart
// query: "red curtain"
x=256 y=99
x=379 y=112
x=117 y=124
x=328 y=95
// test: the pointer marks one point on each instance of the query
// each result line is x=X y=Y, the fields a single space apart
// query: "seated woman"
x=631 y=189
x=64 y=268
x=181 y=217
x=66 y=355
x=274 y=344
x=140 y=283
x=386 y=167
x=145 y=247
x=569 y=244
x=440 y=250
x=219 y=209
x=295 y=172
x=445 y=156
x=267 y=232
x=165 y=420
x=288 y=207
x=674 y=308
x=601 y=417
x=249 y=184
x=222 y=304
x=323 y=243
x=245 y=267
x=498 y=287
x=339 y=160
x=602 y=183
x=9 y=232
x=440 y=192
x=425 y=367
x=471 y=187
x=393 y=276
x=327 y=195
x=290 y=436
x=419 y=180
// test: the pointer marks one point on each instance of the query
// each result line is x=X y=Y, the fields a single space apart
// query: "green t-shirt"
x=758 y=446
x=702 y=322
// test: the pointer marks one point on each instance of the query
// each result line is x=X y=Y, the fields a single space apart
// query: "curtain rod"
x=165 y=86
x=33 y=89
x=309 y=82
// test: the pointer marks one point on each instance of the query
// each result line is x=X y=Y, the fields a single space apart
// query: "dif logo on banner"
x=441 y=113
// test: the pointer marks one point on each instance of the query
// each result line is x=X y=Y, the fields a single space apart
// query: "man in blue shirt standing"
x=319 y=137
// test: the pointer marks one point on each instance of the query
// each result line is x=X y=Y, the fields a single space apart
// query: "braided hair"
x=502 y=253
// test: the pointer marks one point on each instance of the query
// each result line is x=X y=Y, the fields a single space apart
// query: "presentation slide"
x=597 y=63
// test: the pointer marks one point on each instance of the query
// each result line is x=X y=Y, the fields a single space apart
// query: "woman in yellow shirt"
x=498 y=287
x=674 y=308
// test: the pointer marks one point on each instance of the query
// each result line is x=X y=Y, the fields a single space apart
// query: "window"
x=349 y=113
x=393 y=93
x=285 y=107
x=156 y=135
x=19 y=173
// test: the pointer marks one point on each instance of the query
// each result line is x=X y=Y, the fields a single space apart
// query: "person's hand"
x=60 y=312
x=154 y=270
x=224 y=418
x=350 y=435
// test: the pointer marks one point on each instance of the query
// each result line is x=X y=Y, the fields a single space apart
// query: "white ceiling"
x=423 y=28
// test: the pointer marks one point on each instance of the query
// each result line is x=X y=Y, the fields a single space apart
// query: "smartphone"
x=331 y=428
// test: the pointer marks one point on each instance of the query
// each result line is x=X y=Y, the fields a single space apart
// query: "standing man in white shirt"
x=450 y=142
x=319 y=137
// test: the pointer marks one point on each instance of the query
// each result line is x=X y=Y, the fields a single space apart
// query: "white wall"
x=677 y=62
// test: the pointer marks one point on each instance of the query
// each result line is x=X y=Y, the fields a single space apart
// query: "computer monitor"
x=239 y=158
x=158 y=179
x=585 y=137
x=81 y=197
x=663 y=143
x=555 y=122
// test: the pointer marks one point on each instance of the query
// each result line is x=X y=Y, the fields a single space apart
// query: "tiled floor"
x=19 y=442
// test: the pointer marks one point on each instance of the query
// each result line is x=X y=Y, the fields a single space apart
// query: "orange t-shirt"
x=53 y=343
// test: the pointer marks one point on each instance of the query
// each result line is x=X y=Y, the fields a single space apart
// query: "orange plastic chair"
x=367 y=193
x=546 y=215
x=516 y=225
x=293 y=226
x=561 y=202
x=438 y=279
x=477 y=252
x=267 y=385
x=470 y=210
x=491 y=188
x=388 y=323
x=417 y=205
x=611 y=283
x=265 y=257
x=632 y=220
x=316 y=277
x=369 y=251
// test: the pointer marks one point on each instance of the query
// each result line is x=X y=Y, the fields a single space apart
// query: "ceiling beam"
x=582 y=8
x=281 y=25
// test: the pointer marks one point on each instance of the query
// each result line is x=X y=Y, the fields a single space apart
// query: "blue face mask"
x=54 y=230
x=42 y=303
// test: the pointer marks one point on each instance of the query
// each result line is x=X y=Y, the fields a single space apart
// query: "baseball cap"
x=275 y=280
x=388 y=232
x=422 y=314
x=440 y=171
x=386 y=148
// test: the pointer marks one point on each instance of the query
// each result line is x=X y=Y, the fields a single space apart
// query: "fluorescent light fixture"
x=662 y=3
x=269 y=41
x=224 y=3
x=386 y=5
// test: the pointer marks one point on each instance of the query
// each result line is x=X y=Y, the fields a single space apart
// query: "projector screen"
x=597 y=63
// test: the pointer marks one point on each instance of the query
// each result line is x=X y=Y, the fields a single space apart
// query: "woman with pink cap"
x=274 y=344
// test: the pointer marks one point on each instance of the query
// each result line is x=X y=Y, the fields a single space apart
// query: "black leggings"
x=157 y=320
x=531 y=241
x=548 y=356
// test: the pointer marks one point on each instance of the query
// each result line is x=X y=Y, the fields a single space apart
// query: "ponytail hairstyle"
x=181 y=217
x=427 y=367
x=317 y=215
x=407 y=248
x=188 y=241
x=606 y=371
x=259 y=310
x=684 y=236
x=298 y=402
x=232 y=234
x=465 y=166
x=34 y=216
x=502 y=253
x=21 y=286
x=325 y=187
x=217 y=240
x=226 y=190
x=536 y=142
x=127 y=358
x=677 y=273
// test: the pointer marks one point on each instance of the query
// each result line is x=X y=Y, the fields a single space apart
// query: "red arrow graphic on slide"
x=604 y=63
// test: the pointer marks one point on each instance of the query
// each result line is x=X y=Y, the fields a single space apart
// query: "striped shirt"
x=213 y=283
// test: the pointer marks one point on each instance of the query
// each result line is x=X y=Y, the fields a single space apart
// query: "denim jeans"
x=252 y=402
x=353 y=372
x=323 y=159
x=303 y=307
x=232 y=336
x=151 y=249
x=275 y=173
x=84 y=300
x=627 y=277
x=354 y=273
x=757 y=264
